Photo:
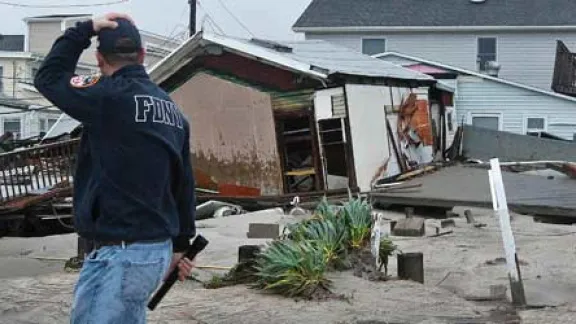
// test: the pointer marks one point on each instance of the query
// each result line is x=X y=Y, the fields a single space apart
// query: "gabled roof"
x=437 y=14
x=472 y=73
x=57 y=17
x=315 y=58
x=12 y=43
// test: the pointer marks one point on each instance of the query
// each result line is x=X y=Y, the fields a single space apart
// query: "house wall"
x=525 y=57
x=42 y=34
x=233 y=137
x=29 y=120
x=481 y=96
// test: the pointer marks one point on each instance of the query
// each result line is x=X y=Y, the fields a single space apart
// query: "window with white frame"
x=46 y=124
x=14 y=126
x=535 y=124
x=371 y=46
x=486 y=52
x=486 y=121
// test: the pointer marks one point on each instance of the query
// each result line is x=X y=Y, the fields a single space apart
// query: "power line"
x=172 y=36
x=77 y=5
x=235 y=18
x=210 y=19
x=214 y=24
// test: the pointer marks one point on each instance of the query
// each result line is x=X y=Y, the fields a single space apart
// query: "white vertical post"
x=376 y=237
x=500 y=205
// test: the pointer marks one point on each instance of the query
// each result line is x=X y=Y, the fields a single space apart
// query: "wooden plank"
x=500 y=205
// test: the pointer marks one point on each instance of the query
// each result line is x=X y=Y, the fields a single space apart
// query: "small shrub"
x=387 y=249
x=292 y=269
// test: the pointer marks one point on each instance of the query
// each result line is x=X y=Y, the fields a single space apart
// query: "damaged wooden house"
x=270 y=118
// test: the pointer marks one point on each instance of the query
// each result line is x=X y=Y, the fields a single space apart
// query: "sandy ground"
x=456 y=270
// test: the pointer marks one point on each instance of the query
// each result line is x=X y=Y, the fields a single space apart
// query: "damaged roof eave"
x=203 y=43
x=194 y=47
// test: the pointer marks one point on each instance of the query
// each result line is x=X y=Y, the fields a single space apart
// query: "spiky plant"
x=386 y=250
x=328 y=237
x=292 y=269
x=358 y=220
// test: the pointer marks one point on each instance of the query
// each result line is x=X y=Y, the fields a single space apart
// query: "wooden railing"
x=564 y=79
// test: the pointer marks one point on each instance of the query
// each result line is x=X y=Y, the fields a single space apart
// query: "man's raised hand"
x=107 y=21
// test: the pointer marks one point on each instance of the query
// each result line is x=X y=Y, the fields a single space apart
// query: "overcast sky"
x=271 y=19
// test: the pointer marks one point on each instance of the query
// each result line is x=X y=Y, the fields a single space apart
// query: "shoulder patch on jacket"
x=84 y=81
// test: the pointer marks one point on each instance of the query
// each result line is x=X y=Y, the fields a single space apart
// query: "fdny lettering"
x=157 y=110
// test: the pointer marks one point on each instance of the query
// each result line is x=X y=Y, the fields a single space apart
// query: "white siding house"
x=524 y=57
x=519 y=35
x=495 y=103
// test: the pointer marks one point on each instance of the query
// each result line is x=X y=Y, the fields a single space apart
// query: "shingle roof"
x=313 y=57
x=437 y=13
x=12 y=43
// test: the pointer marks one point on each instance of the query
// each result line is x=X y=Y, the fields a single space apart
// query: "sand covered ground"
x=459 y=270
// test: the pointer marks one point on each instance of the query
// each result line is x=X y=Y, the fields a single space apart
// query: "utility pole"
x=192 y=23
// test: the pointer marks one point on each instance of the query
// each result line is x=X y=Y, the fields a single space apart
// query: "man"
x=133 y=188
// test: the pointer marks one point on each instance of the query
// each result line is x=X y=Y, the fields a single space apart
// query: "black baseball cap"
x=123 y=39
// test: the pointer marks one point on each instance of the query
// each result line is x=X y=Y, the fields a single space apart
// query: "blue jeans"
x=116 y=283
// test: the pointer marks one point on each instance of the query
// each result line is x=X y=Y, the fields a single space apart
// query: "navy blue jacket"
x=133 y=178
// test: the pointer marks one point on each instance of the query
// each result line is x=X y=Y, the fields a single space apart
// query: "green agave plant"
x=358 y=220
x=329 y=238
x=292 y=269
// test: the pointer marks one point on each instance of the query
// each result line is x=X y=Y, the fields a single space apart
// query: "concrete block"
x=447 y=223
x=263 y=230
x=469 y=217
x=410 y=227
x=498 y=292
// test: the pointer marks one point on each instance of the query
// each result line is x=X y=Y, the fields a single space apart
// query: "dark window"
x=486 y=122
x=449 y=122
x=486 y=52
x=1 y=78
x=371 y=46
x=13 y=125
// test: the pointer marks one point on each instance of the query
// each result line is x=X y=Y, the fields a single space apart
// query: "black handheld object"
x=197 y=246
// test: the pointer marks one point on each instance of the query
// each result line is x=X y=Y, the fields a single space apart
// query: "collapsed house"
x=270 y=118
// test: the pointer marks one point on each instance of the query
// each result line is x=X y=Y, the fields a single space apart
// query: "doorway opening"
x=298 y=150
x=334 y=157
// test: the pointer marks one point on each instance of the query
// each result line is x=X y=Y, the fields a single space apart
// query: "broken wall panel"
x=233 y=139
x=373 y=145
x=330 y=115
x=484 y=144
x=368 y=127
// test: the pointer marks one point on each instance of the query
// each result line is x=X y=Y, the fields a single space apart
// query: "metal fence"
x=38 y=169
